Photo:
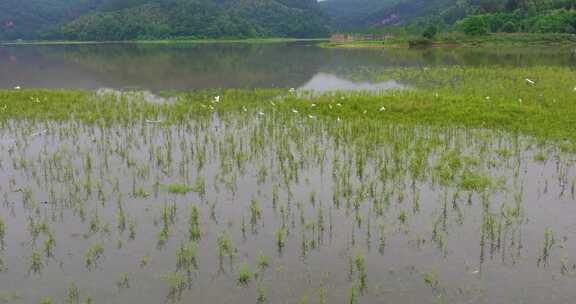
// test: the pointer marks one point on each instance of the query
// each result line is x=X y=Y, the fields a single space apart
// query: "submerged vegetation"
x=343 y=197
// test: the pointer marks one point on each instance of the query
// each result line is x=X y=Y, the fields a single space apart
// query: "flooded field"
x=282 y=207
x=446 y=179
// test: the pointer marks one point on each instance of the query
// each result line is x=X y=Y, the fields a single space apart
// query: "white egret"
x=260 y=113
x=529 y=81
x=17 y=88
x=294 y=111
x=382 y=109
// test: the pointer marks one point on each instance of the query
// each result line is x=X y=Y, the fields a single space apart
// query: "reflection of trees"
x=188 y=66
x=196 y=66
x=352 y=63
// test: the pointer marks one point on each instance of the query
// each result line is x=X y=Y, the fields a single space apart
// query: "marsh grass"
x=93 y=255
x=178 y=188
x=244 y=274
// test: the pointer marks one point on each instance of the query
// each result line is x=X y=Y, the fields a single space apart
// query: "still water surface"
x=196 y=66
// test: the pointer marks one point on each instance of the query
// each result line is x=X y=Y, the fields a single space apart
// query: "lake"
x=161 y=67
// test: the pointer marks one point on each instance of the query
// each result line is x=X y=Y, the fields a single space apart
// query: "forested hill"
x=346 y=14
x=499 y=15
x=24 y=18
x=160 y=19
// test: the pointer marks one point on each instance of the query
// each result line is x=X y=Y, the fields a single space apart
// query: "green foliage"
x=178 y=188
x=430 y=32
x=159 y=19
x=420 y=43
x=244 y=274
x=197 y=19
x=474 y=26
x=402 y=17
x=24 y=18
x=509 y=27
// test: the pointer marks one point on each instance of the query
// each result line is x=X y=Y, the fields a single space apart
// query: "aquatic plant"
x=45 y=301
x=2 y=233
x=244 y=274
x=361 y=267
x=193 y=224
x=72 y=294
x=260 y=292
x=546 y=247
x=225 y=246
x=177 y=283
x=262 y=261
x=124 y=281
x=93 y=255
x=186 y=257
x=178 y=188
x=35 y=262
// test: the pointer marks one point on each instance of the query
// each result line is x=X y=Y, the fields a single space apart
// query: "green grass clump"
x=178 y=188
x=244 y=274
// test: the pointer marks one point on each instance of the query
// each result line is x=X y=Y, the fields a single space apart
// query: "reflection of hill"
x=189 y=66
x=181 y=67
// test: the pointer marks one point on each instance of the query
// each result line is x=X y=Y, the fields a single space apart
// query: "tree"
x=474 y=26
x=430 y=32
x=509 y=27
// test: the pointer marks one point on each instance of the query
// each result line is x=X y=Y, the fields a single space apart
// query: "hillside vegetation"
x=472 y=16
x=160 y=19
x=106 y=20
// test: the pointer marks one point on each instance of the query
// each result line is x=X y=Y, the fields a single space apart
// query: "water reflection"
x=135 y=95
x=325 y=82
x=196 y=66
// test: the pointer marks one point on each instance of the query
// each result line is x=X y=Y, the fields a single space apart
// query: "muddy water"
x=477 y=236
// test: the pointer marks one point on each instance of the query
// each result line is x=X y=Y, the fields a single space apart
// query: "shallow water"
x=473 y=233
x=195 y=66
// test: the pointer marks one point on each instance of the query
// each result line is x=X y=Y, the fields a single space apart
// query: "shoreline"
x=496 y=40
x=164 y=41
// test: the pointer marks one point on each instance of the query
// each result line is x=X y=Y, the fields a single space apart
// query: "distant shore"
x=453 y=41
x=161 y=41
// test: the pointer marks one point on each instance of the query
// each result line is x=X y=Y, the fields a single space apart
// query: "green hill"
x=499 y=15
x=160 y=19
